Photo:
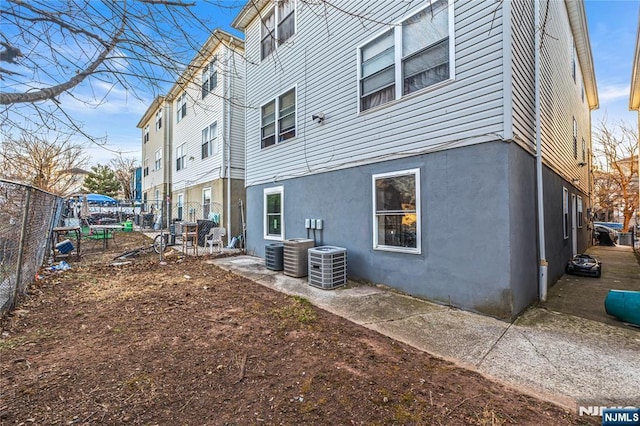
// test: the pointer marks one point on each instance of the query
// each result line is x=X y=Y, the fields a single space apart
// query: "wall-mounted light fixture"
x=575 y=181
x=191 y=158
x=582 y=164
x=319 y=117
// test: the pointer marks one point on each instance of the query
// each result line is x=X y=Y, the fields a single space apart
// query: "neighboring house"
x=156 y=155
x=207 y=138
x=410 y=131
x=634 y=104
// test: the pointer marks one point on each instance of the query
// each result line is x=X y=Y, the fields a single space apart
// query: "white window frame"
x=575 y=139
x=204 y=192
x=274 y=9
x=210 y=138
x=277 y=118
x=210 y=76
x=181 y=107
x=409 y=250
x=397 y=28
x=145 y=136
x=180 y=207
x=145 y=168
x=157 y=198
x=565 y=213
x=580 y=212
x=271 y=191
x=158 y=160
x=181 y=154
x=159 y=119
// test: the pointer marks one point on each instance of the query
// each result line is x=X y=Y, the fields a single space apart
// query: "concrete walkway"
x=559 y=357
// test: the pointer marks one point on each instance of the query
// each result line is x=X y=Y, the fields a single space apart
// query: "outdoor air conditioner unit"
x=327 y=267
x=295 y=256
x=273 y=256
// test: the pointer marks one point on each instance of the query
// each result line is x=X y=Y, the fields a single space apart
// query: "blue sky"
x=612 y=29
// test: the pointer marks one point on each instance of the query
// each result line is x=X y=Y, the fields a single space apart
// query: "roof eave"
x=248 y=13
x=579 y=29
x=150 y=111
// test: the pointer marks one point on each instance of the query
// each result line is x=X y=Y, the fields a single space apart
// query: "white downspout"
x=227 y=80
x=542 y=271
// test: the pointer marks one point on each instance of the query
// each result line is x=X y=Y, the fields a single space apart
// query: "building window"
x=424 y=60
x=584 y=151
x=582 y=93
x=206 y=203
x=209 y=78
x=209 y=140
x=575 y=138
x=565 y=212
x=145 y=170
x=180 y=206
x=573 y=60
x=580 y=210
x=273 y=213
x=159 y=119
x=396 y=211
x=145 y=136
x=278 y=24
x=157 y=200
x=180 y=157
x=181 y=107
x=158 y=163
x=279 y=119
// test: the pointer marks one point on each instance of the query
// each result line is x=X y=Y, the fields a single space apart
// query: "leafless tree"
x=55 y=165
x=123 y=168
x=616 y=151
x=49 y=50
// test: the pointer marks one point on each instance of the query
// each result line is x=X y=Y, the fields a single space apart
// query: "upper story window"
x=209 y=77
x=181 y=153
x=145 y=137
x=279 y=119
x=407 y=58
x=145 y=170
x=209 y=139
x=573 y=60
x=159 y=119
x=158 y=163
x=277 y=24
x=575 y=139
x=181 y=107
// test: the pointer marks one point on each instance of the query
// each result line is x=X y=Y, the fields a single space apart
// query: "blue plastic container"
x=64 y=247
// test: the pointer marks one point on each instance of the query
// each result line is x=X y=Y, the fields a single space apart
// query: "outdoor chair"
x=214 y=237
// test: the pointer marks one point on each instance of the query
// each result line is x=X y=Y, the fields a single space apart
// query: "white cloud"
x=613 y=92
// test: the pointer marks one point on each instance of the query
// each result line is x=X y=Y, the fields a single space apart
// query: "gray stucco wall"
x=478 y=226
x=558 y=249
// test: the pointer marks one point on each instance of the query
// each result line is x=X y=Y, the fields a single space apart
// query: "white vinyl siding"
x=396 y=211
x=463 y=111
x=274 y=213
x=562 y=96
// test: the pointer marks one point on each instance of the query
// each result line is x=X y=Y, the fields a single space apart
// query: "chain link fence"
x=27 y=217
x=152 y=214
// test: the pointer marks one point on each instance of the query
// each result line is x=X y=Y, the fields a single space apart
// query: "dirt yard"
x=187 y=343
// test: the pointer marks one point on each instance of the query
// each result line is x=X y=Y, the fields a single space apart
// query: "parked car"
x=606 y=236
x=613 y=225
x=583 y=264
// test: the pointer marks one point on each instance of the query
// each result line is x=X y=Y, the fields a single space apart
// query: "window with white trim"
x=573 y=60
x=274 y=213
x=181 y=152
x=181 y=107
x=145 y=137
x=145 y=170
x=396 y=211
x=209 y=77
x=180 y=206
x=278 y=119
x=422 y=60
x=575 y=138
x=209 y=140
x=206 y=203
x=277 y=24
x=157 y=199
x=580 y=209
x=584 y=151
x=565 y=212
x=158 y=163
x=159 y=119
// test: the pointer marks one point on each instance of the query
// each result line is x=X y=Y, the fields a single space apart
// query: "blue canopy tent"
x=100 y=199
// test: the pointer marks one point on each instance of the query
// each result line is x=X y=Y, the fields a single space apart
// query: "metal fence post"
x=23 y=234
